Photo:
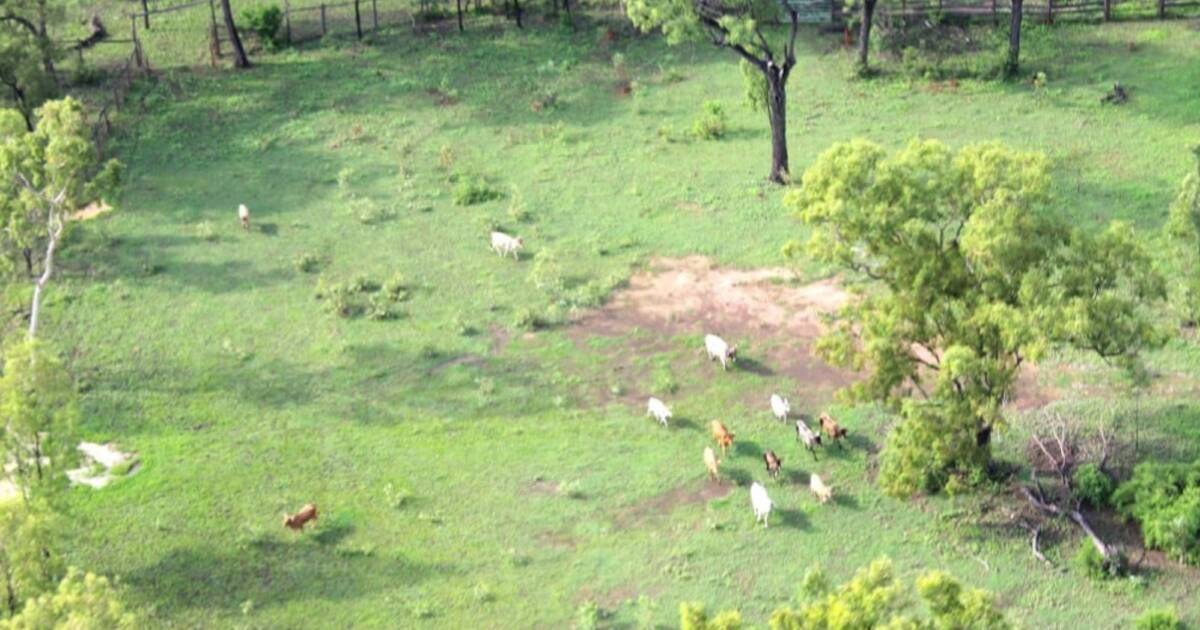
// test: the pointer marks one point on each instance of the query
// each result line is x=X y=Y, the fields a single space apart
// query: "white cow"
x=780 y=407
x=244 y=216
x=504 y=244
x=760 y=502
x=818 y=487
x=659 y=410
x=718 y=349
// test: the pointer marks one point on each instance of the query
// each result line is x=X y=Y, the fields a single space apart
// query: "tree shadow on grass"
x=268 y=572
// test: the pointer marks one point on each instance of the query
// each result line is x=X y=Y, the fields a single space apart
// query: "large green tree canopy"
x=972 y=276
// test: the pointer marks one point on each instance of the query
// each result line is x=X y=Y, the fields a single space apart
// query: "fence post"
x=287 y=21
x=1049 y=11
x=146 y=14
x=214 y=36
x=375 y=14
x=357 y=21
x=1162 y=9
x=322 y=19
x=1107 y=10
x=995 y=17
x=137 y=48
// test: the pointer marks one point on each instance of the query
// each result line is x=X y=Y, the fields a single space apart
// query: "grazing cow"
x=244 y=216
x=504 y=244
x=830 y=428
x=804 y=434
x=773 y=464
x=780 y=407
x=659 y=410
x=760 y=502
x=297 y=521
x=712 y=463
x=718 y=349
x=824 y=493
x=721 y=435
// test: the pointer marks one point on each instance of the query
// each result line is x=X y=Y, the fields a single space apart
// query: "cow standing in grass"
x=761 y=503
x=721 y=435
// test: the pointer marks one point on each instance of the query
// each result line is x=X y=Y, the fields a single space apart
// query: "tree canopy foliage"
x=44 y=175
x=38 y=411
x=970 y=279
x=873 y=598
x=29 y=564
x=82 y=601
x=1183 y=231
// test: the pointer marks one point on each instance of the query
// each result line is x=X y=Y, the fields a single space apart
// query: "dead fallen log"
x=1035 y=536
x=1107 y=552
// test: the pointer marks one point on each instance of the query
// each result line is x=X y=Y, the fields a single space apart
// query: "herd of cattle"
x=717 y=349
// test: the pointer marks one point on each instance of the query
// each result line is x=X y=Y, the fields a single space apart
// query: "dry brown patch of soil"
x=690 y=493
x=543 y=487
x=556 y=540
x=774 y=321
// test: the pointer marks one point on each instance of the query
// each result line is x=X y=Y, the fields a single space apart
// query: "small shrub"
x=516 y=207
x=711 y=124
x=264 y=22
x=368 y=212
x=483 y=593
x=345 y=179
x=470 y=190
x=380 y=308
x=396 y=288
x=587 y=617
x=395 y=497
x=307 y=263
x=206 y=231
x=362 y=284
x=422 y=609
x=1091 y=563
x=446 y=156
x=1158 y=619
x=1165 y=501
x=462 y=327
x=1092 y=485
x=526 y=318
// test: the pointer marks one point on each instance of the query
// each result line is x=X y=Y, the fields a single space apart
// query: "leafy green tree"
x=29 y=566
x=1183 y=231
x=82 y=601
x=972 y=278
x=692 y=616
x=738 y=25
x=25 y=80
x=33 y=18
x=38 y=411
x=1164 y=498
x=873 y=598
x=44 y=175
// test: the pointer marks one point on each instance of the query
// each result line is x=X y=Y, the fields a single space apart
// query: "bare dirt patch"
x=773 y=320
x=690 y=493
x=102 y=464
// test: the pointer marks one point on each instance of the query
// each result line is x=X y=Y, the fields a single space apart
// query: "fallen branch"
x=1074 y=515
x=1035 y=535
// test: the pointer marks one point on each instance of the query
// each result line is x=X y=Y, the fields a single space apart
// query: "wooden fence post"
x=1107 y=10
x=287 y=21
x=214 y=36
x=146 y=14
x=357 y=21
x=995 y=17
x=1162 y=9
x=137 y=48
x=375 y=14
x=1049 y=11
x=322 y=19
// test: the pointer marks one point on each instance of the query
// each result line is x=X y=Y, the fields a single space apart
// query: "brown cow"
x=297 y=521
x=721 y=435
x=830 y=427
x=773 y=464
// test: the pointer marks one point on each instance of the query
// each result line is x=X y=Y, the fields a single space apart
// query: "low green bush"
x=264 y=22
x=1092 y=485
x=712 y=122
x=1159 y=619
x=1165 y=500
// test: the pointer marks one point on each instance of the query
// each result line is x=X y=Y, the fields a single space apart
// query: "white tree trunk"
x=55 y=232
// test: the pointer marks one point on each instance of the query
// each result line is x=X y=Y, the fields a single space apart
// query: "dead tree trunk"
x=777 y=113
x=864 y=36
x=240 y=60
x=1013 y=65
x=54 y=232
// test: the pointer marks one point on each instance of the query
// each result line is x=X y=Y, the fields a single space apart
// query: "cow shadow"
x=846 y=501
x=860 y=442
x=333 y=533
x=754 y=367
x=738 y=476
x=747 y=447
x=268 y=229
x=794 y=519
x=797 y=477
x=684 y=424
